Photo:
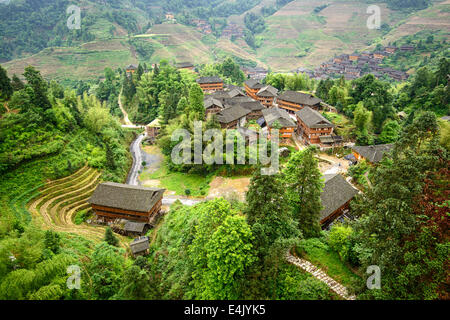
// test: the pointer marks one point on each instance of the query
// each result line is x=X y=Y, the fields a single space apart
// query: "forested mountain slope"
x=279 y=34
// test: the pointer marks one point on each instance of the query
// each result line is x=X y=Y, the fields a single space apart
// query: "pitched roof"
x=236 y=93
x=446 y=118
x=212 y=102
x=276 y=114
x=231 y=114
x=155 y=123
x=220 y=94
x=313 y=119
x=126 y=197
x=252 y=105
x=204 y=80
x=373 y=153
x=139 y=244
x=134 y=226
x=336 y=192
x=267 y=91
x=131 y=67
x=185 y=65
x=253 y=84
x=238 y=100
x=299 y=98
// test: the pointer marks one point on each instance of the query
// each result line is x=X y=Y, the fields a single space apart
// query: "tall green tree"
x=6 y=89
x=388 y=218
x=304 y=186
x=39 y=86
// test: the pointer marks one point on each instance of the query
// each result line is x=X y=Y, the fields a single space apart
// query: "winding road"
x=140 y=156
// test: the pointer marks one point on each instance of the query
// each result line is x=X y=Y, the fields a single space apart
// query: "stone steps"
x=319 y=274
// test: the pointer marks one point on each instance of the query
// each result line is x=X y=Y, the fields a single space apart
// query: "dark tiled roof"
x=299 y=98
x=140 y=245
x=204 y=80
x=134 y=226
x=236 y=93
x=335 y=194
x=313 y=119
x=277 y=114
x=220 y=95
x=252 y=105
x=374 y=153
x=126 y=197
x=185 y=65
x=211 y=102
x=238 y=100
x=253 y=84
x=267 y=91
x=231 y=114
x=131 y=67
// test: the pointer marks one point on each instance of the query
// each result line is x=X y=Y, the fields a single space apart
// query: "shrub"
x=339 y=240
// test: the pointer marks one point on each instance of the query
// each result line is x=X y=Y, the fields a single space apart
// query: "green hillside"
x=287 y=35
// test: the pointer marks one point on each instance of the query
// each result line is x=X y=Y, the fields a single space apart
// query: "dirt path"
x=125 y=114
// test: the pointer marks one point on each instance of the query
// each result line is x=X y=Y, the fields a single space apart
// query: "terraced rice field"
x=54 y=204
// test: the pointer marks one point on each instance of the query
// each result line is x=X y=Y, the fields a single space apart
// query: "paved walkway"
x=320 y=275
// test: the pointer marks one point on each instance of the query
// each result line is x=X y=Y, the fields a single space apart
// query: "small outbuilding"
x=140 y=246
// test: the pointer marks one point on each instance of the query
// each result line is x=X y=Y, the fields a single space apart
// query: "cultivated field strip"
x=56 y=203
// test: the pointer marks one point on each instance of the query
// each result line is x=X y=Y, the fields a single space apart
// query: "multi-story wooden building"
x=279 y=119
x=293 y=101
x=114 y=201
x=232 y=117
x=255 y=107
x=267 y=95
x=252 y=87
x=312 y=125
x=212 y=105
x=335 y=197
x=210 y=84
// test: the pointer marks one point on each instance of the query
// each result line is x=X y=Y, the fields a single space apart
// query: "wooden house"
x=372 y=154
x=131 y=68
x=232 y=117
x=354 y=57
x=185 y=65
x=210 y=84
x=282 y=118
x=153 y=128
x=267 y=95
x=140 y=246
x=113 y=201
x=212 y=105
x=293 y=101
x=311 y=125
x=255 y=109
x=390 y=49
x=335 y=197
x=252 y=87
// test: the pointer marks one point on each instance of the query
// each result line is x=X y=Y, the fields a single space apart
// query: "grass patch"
x=320 y=254
x=180 y=182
